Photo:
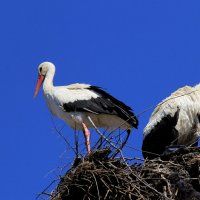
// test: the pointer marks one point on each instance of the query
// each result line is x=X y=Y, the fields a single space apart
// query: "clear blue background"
x=140 y=51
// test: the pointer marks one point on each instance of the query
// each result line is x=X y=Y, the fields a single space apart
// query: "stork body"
x=175 y=121
x=77 y=104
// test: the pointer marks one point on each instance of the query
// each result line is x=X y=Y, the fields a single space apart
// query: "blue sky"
x=140 y=51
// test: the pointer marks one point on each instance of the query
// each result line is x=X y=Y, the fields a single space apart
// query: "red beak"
x=39 y=83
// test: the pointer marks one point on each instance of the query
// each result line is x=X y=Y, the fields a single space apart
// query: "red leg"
x=87 y=137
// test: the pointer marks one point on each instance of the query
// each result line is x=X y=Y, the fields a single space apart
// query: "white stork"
x=78 y=104
x=175 y=121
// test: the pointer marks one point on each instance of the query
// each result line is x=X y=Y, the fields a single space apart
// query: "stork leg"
x=87 y=137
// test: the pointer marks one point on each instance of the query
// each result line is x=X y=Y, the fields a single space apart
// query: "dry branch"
x=175 y=176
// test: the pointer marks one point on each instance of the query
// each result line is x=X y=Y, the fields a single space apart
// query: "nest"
x=172 y=176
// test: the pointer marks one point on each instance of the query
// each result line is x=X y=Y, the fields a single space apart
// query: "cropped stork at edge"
x=81 y=104
x=175 y=122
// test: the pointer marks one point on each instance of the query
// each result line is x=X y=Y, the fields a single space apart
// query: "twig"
x=96 y=186
x=146 y=184
x=44 y=191
x=59 y=133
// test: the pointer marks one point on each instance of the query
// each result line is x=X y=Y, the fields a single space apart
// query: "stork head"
x=43 y=70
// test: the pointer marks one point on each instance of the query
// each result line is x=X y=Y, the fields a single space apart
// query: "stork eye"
x=40 y=69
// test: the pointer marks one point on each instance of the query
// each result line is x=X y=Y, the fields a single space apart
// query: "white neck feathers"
x=197 y=86
x=48 y=82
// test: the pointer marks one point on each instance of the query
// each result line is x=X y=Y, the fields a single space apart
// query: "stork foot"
x=87 y=137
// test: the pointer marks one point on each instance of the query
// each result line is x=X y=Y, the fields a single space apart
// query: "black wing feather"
x=104 y=104
x=162 y=135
